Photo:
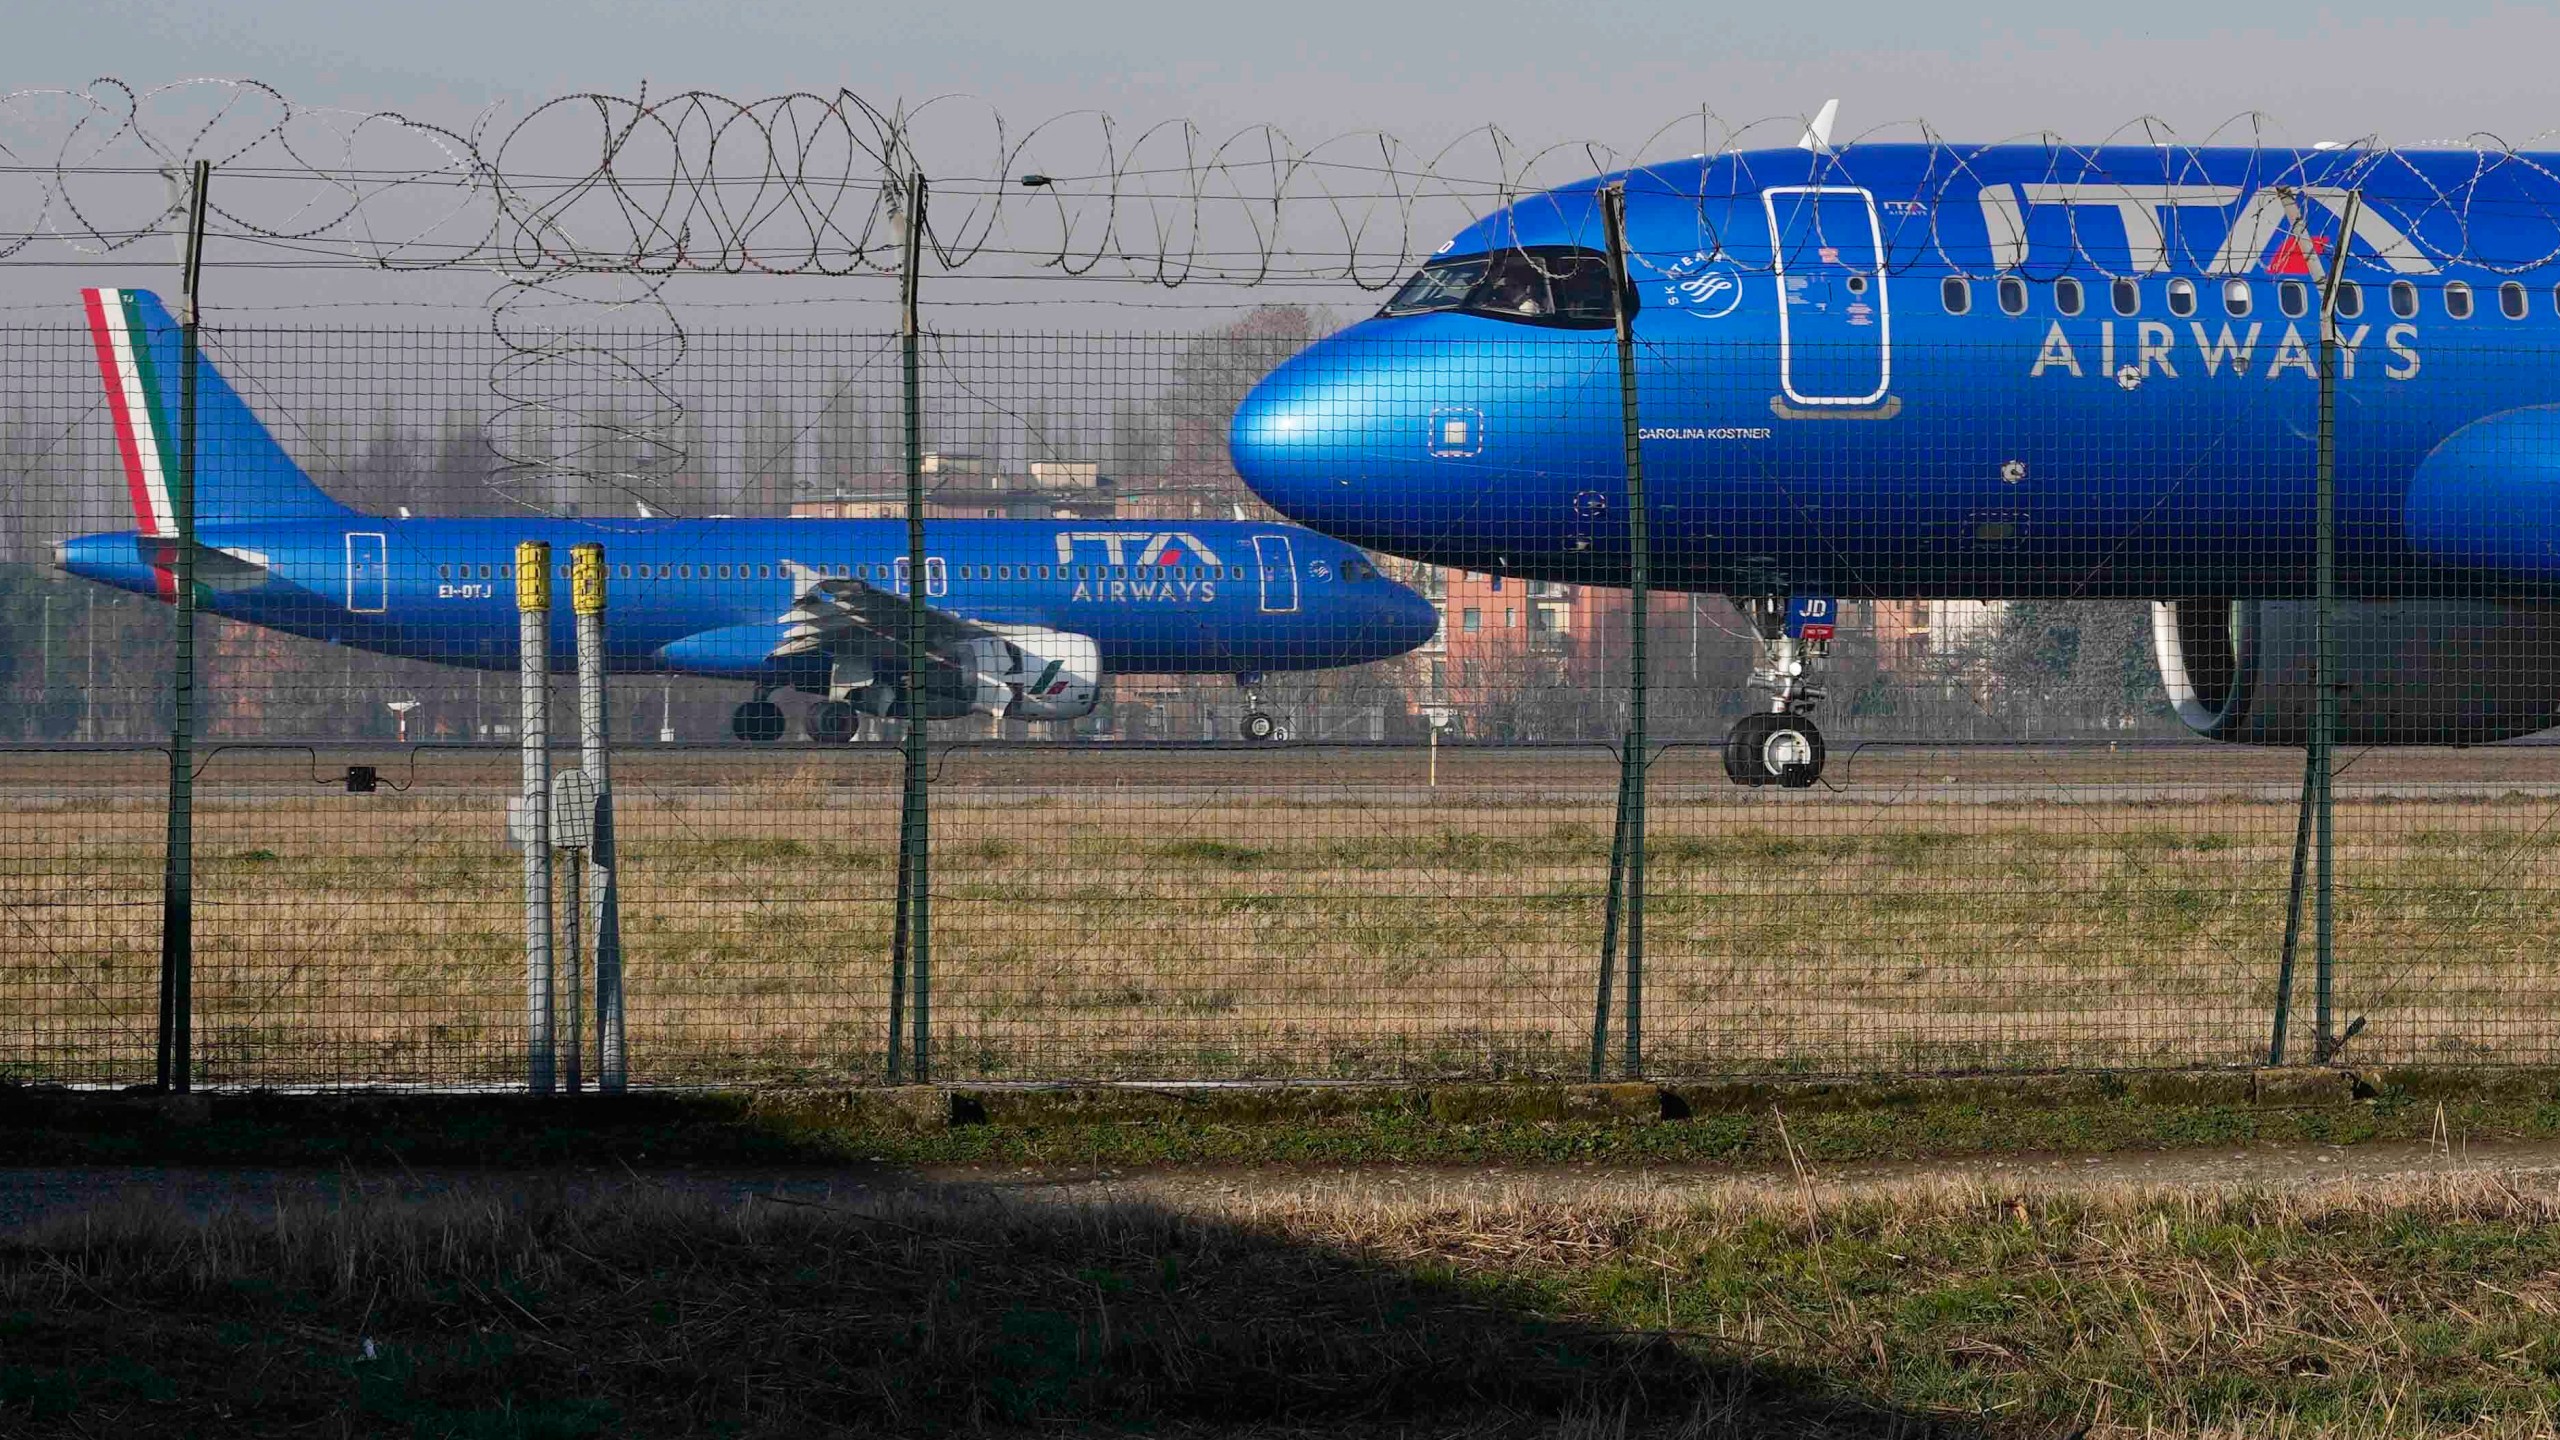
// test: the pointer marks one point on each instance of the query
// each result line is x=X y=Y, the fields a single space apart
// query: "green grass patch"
x=1359 y=1125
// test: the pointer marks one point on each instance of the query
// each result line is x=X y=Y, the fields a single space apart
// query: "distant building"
x=1505 y=643
x=1911 y=634
x=1065 y=475
x=960 y=487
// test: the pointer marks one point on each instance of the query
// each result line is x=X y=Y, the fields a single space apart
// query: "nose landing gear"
x=1781 y=745
x=1774 y=748
x=1258 y=725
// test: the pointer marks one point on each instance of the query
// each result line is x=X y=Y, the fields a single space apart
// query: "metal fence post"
x=604 y=901
x=1609 y=917
x=2319 y=755
x=533 y=642
x=176 y=1055
x=1633 y=759
x=911 y=940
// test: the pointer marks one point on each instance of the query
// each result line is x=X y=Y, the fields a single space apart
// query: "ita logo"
x=1704 y=288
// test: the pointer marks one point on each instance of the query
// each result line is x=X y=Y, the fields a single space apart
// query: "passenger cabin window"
x=2013 y=295
x=2236 y=299
x=2182 y=297
x=2404 y=299
x=2350 y=299
x=2293 y=298
x=2127 y=295
x=1558 y=285
x=2457 y=300
x=1956 y=293
x=2066 y=295
x=2511 y=300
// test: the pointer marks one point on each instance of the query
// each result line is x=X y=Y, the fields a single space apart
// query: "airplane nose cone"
x=1294 y=441
x=1410 y=621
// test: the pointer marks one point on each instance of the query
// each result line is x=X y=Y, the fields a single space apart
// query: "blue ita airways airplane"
x=1026 y=617
x=1994 y=373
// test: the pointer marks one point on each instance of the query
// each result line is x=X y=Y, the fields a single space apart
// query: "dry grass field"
x=1293 y=912
x=1936 y=1308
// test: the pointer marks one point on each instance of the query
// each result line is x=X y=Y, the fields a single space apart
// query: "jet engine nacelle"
x=2415 y=672
x=1027 y=673
x=1054 y=675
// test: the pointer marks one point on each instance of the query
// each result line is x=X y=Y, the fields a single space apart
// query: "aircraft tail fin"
x=241 y=473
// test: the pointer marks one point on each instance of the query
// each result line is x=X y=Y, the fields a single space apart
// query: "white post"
x=533 y=643
x=604 y=912
x=573 y=979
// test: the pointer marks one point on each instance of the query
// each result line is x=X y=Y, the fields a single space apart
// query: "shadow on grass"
x=510 y=1306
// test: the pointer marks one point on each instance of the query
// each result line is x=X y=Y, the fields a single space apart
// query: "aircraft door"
x=1835 y=331
x=937 y=577
x=1279 y=565
x=368 y=575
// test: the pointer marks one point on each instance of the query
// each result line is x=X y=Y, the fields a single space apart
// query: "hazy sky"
x=1606 y=69
x=1609 y=71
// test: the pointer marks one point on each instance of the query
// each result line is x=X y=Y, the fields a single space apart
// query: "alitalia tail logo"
x=133 y=395
x=142 y=421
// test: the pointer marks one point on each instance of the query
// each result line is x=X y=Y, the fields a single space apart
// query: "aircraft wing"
x=844 y=616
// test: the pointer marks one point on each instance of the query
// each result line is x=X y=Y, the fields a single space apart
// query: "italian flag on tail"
x=144 y=437
x=241 y=473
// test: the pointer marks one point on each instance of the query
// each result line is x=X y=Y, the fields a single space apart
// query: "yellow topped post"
x=586 y=578
x=603 y=914
x=533 y=641
x=533 y=576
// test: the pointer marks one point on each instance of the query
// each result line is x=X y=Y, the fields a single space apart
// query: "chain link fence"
x=2016 y=855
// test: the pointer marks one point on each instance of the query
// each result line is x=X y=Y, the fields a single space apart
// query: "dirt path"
x=35 y=1196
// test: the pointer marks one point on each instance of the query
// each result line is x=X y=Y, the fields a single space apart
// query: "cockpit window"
x=1539 y=285
x=1440 y=285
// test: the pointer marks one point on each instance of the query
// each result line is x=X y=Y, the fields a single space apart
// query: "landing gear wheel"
x=831 y=722
x=1774 y=749
x=1259 y=727
x=758 y=722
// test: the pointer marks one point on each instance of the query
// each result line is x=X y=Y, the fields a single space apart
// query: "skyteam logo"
x=1703 y=288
